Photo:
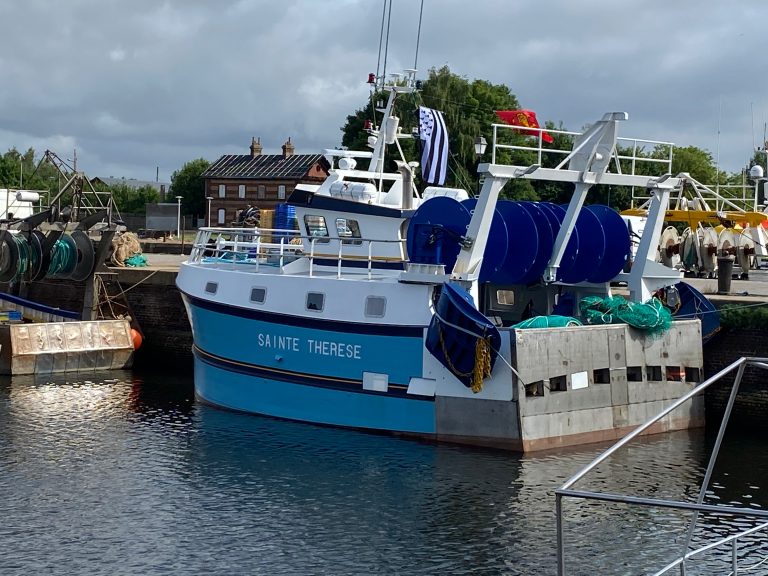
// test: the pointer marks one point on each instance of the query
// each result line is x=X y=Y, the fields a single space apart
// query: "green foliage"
x=696 y=162
x=187 y=182
x=25 y=170
x=133 y=200
x=735 y=317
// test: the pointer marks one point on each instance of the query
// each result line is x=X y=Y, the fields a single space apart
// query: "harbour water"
x=119 y=473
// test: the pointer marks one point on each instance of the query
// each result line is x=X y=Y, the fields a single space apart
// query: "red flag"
x=524 y=118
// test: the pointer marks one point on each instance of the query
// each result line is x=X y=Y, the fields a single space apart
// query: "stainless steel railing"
x=687 y=555
x=259 y=246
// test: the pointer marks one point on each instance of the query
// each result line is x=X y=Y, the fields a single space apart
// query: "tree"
x=468 y=109
x=187 y=182
x=696 y=162
x=133 y=200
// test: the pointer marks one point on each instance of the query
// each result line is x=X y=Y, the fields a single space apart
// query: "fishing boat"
x=391 y=309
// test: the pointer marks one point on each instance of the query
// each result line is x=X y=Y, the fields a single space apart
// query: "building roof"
x=265 y=166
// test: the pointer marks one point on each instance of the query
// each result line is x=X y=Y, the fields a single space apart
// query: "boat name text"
x=311 y=346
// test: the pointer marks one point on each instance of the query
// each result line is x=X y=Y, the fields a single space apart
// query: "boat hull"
x=314 y=371
x=236 y=389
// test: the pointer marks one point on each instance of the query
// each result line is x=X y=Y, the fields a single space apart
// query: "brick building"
x=262 y=180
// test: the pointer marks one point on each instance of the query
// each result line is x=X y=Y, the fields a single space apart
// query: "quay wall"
x=751 y=406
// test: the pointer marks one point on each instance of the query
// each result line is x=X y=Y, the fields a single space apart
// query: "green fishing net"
x=652 y=316
x=553 y=321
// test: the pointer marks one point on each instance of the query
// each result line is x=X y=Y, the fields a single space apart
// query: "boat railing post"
x=282 y=251
x=258 y=250
x=560 y=535
x=370 y=258
x=312 y=255
x=338 y=262
x=734 y=561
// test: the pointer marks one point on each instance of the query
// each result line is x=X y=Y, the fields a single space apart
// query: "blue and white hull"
x=343 y=373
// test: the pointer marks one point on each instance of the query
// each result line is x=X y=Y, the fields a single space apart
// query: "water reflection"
x=125 y=473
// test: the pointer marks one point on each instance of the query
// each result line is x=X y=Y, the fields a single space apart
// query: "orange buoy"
x=136 y=337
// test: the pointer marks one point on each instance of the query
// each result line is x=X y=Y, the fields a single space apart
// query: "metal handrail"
x=635 y=144
x=566 y=490
x=256 y=249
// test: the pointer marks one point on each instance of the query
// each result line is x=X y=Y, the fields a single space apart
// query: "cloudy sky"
x=137 y=84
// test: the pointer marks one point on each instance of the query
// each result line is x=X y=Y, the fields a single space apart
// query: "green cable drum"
x=9 y=257
x=63 y=257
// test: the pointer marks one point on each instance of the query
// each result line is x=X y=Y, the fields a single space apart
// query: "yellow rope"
x=482 y=367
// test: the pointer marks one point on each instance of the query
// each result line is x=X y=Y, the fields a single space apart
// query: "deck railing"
x=688 y=555
x=276 y=247
x=636 y=151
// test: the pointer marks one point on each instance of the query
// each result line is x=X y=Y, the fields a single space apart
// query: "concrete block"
x=619 y=387
x=465 y=417
x=540 y=426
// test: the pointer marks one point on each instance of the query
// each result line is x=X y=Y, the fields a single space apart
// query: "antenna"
x=717 y=155
x=418 y=38
x=386 y=43
x=381 y=36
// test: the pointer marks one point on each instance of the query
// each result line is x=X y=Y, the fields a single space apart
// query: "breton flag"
x=524 y=118
x=434 y=155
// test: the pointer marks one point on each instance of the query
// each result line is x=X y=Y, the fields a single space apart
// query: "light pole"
x=209 y=198
x=480 y=145
x=178 y=219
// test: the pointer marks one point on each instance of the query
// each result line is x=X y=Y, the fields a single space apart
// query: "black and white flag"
x=434 y=155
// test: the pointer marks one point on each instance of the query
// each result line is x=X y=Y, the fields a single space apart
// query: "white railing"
x=698 y=507
x=257 y=246
x=634 y=157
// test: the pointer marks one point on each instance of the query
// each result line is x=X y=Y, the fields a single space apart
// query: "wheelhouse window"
x=316 y=228
x=348 y=230
x=258 y=295
x=375 y=306
x=505 y=297
x=315 y=301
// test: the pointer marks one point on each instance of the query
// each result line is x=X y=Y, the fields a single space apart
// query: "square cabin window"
x=375 y=306
x=505 y=297
x=316 y=228
x=222 y=190
x=258 y=295
x=211 y=287
x=241 y=191
x=348 y=230
x=315 y=301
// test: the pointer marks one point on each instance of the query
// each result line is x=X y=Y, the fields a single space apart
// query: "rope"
x=482 y=367
x=27 y=257
x=124 y=247
x=63 y=258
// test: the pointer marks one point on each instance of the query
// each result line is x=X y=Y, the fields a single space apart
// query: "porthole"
x=375 y=306
x=211 y=287
x=258 y=295
x=315 y=301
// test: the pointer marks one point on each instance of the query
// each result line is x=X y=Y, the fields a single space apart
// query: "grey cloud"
x=147 y=83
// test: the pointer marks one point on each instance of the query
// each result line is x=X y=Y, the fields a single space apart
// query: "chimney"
x=255 y=147
x=288 y=149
